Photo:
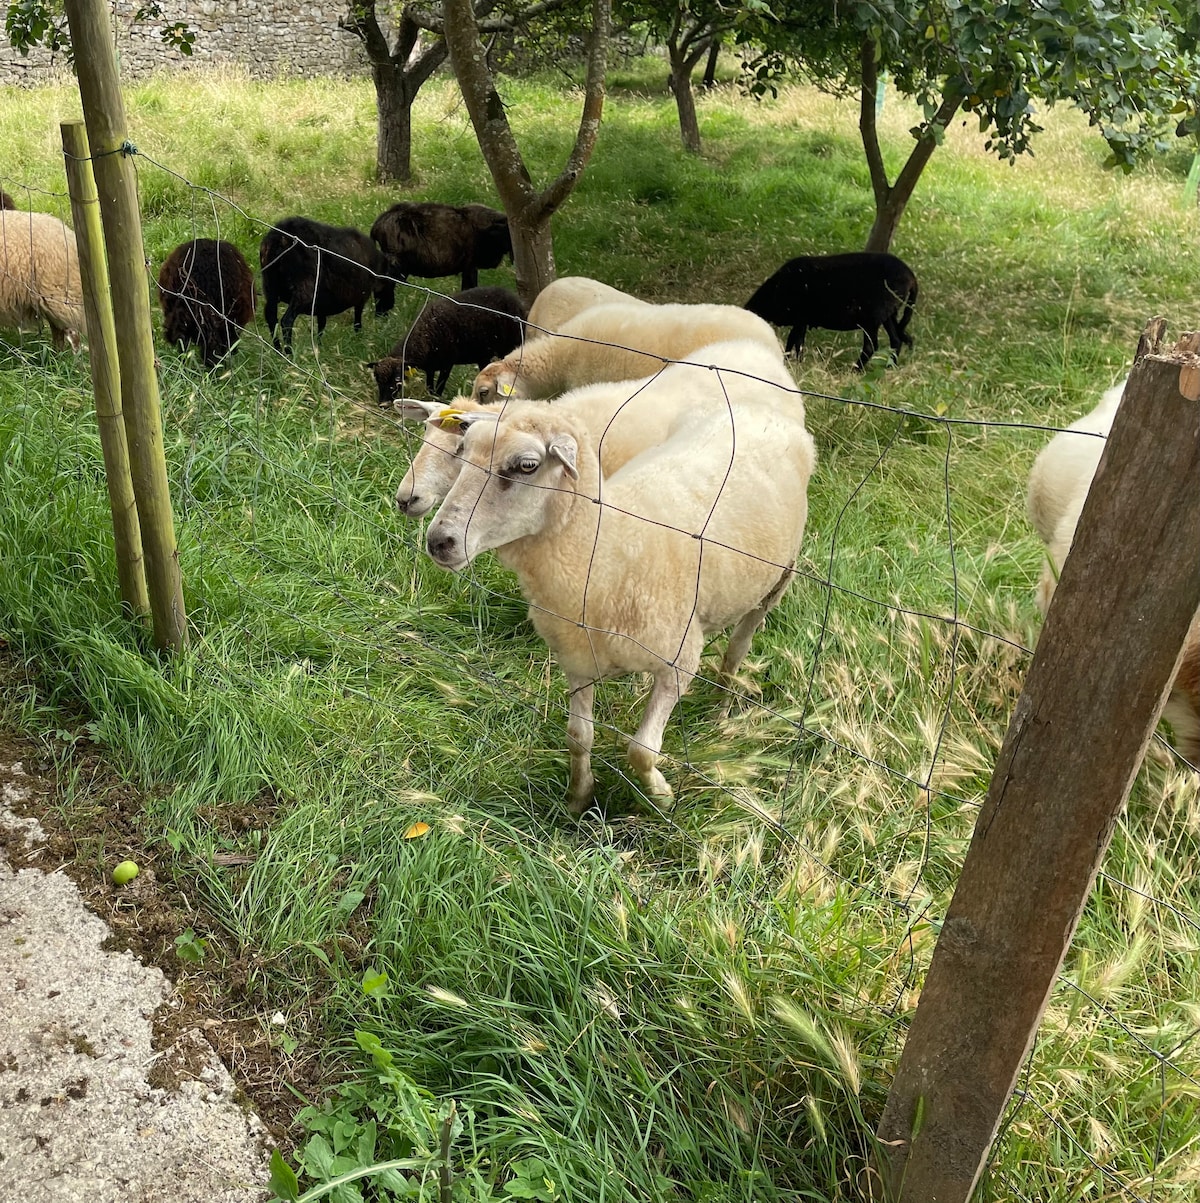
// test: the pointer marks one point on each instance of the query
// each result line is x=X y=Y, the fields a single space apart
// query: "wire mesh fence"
x=847 y=772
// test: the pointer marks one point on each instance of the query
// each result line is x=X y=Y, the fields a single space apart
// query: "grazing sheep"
x=1058 y=487
x=39 y=275
x=567 y=297
x=206 y=290
x=623 y=417
x=615 y=342
x=473 y=326
x=320 y=270
x=631 y=573
x=858 y=291
x=6 y=201
x=424 y=238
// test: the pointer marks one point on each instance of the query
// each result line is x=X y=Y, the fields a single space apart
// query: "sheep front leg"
x=670 y=682
x=869 y=347
x=580 y=733
x=795 y=341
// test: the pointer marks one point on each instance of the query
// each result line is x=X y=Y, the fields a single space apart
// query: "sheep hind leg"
x=869 y=347
x=580 y=734
x=743 y=634
x=670 y=684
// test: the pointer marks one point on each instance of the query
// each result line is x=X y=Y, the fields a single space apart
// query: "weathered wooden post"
x=106 y=377
x=1104 y=663
x=104 y=112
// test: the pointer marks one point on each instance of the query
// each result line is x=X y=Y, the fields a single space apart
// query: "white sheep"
x=567 y=297
x=623 y=417
x=39 y=275
x=616 y=342
x=693 y=535
x=1058 y=487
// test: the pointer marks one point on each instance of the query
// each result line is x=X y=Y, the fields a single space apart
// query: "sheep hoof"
x=660 y=793
x=580 y=805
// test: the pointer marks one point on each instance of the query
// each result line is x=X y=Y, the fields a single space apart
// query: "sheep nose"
x=404 y=504
x=440 y=546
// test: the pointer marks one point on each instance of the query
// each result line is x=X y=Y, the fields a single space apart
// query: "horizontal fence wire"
x=905 y=890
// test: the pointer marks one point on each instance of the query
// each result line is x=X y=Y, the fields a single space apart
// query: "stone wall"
x=265 y=37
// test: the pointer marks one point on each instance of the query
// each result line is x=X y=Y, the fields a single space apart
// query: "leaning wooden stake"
x=1104 y=662
x=104 y=112
x=106 y=377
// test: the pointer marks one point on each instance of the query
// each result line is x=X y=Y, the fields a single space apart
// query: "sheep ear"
x=563 y=448
x=416 y=411
x=371 y=366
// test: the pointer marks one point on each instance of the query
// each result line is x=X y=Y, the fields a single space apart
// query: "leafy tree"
x=1132 y=67
x=690 y=30
x=31 y=23
x=402 y=67
x=529 y=209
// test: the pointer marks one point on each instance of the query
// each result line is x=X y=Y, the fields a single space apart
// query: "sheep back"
x=206 y=290
x=619 y=342
x=472 y=326
x=424 y=238
x=567 y=297
x=39 y=275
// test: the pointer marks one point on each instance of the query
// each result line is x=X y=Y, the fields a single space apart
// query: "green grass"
x=706 y=1005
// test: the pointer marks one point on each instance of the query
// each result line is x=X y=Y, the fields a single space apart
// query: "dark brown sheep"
x=320 y=270
x=423 y=238
x=206 y=289
x=6 y=201
x=862 y=290
x=473 y=326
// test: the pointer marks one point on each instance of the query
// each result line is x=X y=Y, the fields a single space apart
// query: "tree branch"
x=866 y=122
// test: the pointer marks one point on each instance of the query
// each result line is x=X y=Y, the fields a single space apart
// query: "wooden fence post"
x=104 y=112
x=106 y=378
x=1104 y=662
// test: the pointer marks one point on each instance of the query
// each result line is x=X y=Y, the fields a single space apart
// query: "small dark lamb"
x=423 y=238
x=857 y=291
x=473 y=326
x=206 y=289
x=320 y=270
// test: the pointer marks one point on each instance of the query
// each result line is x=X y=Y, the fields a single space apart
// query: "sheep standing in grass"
x=424 y=238
x=6 y=201
x=859 y=291
x=320 y=270
x=1058 y=487
x=623 y=417
x=615 y=342
x=567 y=297
x=206 y=290
x=631 y=573
x=39 y=276
x=473 y=326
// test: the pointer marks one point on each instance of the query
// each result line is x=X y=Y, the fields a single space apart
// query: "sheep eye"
x=528 y=464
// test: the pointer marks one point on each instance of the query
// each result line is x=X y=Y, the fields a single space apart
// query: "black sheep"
x=320 y=270
x=423 y=238
x=6 y=201
x=206 y=289
x=474 y=326
x=857 y=291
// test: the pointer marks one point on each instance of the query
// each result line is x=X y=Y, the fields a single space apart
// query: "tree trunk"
x=683 y=56
x=892 y=199
x=529 y=211
x=393 y=144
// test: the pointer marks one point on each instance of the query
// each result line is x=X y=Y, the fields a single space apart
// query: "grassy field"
x=701 y=1005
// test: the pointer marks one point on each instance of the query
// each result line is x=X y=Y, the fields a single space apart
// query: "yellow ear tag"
x=410 y=373
x=449 y=415
x=505 y=390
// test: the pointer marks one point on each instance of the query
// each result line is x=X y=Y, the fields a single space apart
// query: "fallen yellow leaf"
x=417 y=830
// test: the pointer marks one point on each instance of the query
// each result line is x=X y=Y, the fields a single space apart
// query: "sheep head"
x=435 y=467
x=497 y=382
x=514 y=469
